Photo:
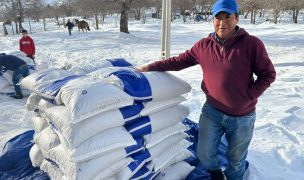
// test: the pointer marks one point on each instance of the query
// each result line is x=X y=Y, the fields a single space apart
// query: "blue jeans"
x=22 y=71
x=238 y=131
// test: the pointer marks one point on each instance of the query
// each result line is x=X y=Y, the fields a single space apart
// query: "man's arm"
x=263 y=69
x=20 y=45
x=177 y=63
x=33 y=46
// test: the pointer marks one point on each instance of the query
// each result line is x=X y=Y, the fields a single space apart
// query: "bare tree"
x=35 y=9
x=65 y=6
x=295 y=6
x=183 y=6
x=277 y=6
x=157 y=4
x=138 y=7
x=205 y=7
x=16 y=10
x=125 y=7
x=251 y=7
x=90 y=7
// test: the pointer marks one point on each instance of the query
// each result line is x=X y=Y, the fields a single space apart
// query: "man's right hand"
x=142 y=68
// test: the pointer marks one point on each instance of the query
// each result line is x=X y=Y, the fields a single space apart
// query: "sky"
x=277 y=148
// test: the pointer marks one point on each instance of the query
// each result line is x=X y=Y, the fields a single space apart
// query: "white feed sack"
x=8 y=75
x=39 y=124
x=49 y=89
x=165 y=85
x=175 y=153
x=157 y=121
x=75 y=134
x=43 y=105
x=53 y=74
x=36 y=156
x=101 y=143
x=143 y=86
x=113 y=169
x=159 y=136
x=53 y=172
x=151 y=107
x=85 y=98
x=166 y=144
x=32 y=102
x=168 y=117
x=88 y=169
x=46 y=140
x=6 y=87
x=157 y=158
x=135 y=167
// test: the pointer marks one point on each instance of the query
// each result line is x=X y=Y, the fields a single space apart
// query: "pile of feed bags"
x=112 y=123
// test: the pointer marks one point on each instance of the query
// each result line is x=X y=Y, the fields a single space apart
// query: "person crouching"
x=19 y=68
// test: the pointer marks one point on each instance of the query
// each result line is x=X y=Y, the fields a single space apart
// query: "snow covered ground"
x=277 y=148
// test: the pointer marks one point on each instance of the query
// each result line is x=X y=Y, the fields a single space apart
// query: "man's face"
x=24 y=34
x=224 y=25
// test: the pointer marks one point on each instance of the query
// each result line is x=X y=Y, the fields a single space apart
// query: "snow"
x=277 y=148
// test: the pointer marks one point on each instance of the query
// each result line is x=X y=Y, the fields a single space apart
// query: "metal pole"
x=166 y=29
x=29 y=20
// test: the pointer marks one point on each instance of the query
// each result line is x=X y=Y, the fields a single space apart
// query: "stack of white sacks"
x=113 y=123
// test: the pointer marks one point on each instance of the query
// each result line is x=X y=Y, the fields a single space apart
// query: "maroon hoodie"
x=228 y=70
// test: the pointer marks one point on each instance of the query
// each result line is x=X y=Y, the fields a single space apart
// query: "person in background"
x=70 y=26
x=19 y=68
x=27 y=45
x=229 y=58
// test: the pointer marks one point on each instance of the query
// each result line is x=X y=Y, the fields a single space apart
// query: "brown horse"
x=83 y=25
x=7 y=22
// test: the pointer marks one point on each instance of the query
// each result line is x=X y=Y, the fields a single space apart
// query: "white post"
x=29 y=21
x=166 y=29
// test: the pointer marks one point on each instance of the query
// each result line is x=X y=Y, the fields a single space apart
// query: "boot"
x=217 y=174
x=18 y=96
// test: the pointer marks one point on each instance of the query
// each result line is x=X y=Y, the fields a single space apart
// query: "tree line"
x=15 y=11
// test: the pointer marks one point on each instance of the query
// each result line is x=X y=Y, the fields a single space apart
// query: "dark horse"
x=83 y=25
x=7 y=22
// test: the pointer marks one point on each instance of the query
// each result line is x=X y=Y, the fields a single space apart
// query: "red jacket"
x=228 y=71
x=27 y=45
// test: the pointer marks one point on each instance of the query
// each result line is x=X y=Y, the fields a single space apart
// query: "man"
x=70 y=26
x=19 y=68
x=228 y=57
x=27 y=45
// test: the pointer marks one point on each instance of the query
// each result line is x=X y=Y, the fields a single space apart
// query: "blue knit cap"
x=228 y=6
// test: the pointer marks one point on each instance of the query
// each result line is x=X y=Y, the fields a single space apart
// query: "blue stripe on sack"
x=54 y=88
x=119 y=62
x=54 y=126
x=52 y=101
x=142 y=171
x=139 y=159
x=131 y=111
x=135 y=84
x=40 y=77
x=135 y=128
x=52 y=162
x=135 y=148
x=150 y=176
